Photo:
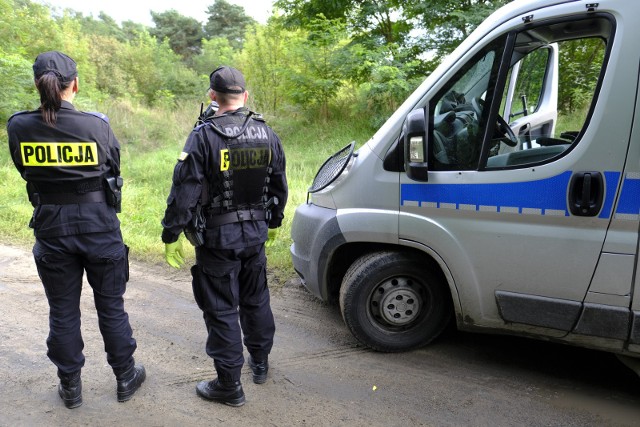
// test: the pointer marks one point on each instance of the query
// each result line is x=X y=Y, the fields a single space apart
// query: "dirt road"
x=319 y=376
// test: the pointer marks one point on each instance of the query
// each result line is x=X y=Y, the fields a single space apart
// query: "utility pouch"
x=194 y=231
x=271 y=203
x=113 y=192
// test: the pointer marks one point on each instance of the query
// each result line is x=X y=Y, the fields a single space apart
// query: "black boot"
x=259 y=368
x=130 y=381
x=70 y=389
x=229 y=393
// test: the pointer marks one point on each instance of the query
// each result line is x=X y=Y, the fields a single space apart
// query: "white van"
x=478 y=200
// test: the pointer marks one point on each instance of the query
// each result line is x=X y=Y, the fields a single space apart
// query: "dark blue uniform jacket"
x=78 y=152
x=199 y=164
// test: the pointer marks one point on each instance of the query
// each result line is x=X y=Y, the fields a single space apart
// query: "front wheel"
x=393 y=301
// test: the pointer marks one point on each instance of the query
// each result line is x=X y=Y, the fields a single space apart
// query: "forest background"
x=323 y=73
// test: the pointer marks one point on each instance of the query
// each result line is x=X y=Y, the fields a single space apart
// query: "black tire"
x=368 y=301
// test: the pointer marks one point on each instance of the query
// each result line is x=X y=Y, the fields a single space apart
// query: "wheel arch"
x=345 y=255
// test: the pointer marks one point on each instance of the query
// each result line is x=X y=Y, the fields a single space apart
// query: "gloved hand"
x=173 y=254
x=271 y=239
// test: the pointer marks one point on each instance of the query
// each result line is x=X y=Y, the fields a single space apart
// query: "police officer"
x=71 y=163
x=232 y=170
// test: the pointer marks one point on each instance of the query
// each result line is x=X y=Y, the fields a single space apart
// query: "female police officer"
x=71 y=162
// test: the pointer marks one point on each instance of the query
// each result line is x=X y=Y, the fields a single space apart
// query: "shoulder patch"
x=199 y=126
x=98 y=115
x=183 y=156
x=18 y=113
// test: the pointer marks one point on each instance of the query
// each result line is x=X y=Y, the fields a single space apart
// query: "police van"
x=504 y=193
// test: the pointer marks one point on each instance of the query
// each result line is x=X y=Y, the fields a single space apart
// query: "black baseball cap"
x=63 y=66
x=227 y=80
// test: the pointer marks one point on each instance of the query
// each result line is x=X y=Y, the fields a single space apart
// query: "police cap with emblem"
x=227 y=80
x=58 y=63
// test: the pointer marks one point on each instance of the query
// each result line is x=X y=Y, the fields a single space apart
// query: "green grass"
x=571 y=122
x=151 y=140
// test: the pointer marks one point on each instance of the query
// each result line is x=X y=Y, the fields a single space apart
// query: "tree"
x=229 y=21
x=372 y=22
x=581 y=62
x=299 y=13
x=377 y=25
x=215 y=52
x=446 y=23
x=103 y=26
x=109 y=57
x=28 y=29
x=131 y=30
x=265 y=62
x=156 y=72
x=185 y=34
x=320 y=70
x=16 y=78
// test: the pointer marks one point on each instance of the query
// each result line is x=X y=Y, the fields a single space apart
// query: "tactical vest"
x=239 y=185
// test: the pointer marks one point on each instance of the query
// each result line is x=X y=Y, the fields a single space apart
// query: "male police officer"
x=71 y=162
x=232 y=170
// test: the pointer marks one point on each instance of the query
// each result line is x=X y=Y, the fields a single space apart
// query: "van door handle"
x=586 y=191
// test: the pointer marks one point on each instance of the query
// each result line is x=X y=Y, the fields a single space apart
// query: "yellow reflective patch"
x=249 y=158
x=183 y=156
x=224 y=159
x=61 y=154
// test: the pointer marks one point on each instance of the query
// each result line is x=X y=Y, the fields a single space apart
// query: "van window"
x=551 y=77
x=456 y=126
x=524 y=98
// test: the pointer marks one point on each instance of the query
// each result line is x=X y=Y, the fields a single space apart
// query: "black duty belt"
x=235 y=216
x=69 y=198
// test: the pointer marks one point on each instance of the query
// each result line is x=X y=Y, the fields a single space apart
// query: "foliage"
x=387 y=88
x=103 y=26
x=16 y=77
x=409 y=30
x=155 y=71
x=582 y=60
x=184 y=33
x=229 y=21
x=215 y=52
x=371 y=22
x=446 y=23
x=319 y=57
x=320 y=65
x=298 y=13
x=265 y=61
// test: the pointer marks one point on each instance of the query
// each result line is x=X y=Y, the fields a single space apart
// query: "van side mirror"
x=415 y=145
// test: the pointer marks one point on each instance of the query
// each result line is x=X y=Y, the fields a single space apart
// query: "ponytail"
x=50 y=89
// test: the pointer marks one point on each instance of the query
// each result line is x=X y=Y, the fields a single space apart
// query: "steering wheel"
x=503 y=131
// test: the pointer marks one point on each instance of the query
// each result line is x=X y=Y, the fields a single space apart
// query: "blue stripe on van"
x=545 y=196
x=611 y=180
x=629 y=197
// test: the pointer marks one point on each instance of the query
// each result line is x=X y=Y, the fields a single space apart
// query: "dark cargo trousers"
x=230 y=287
x=61 y=262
